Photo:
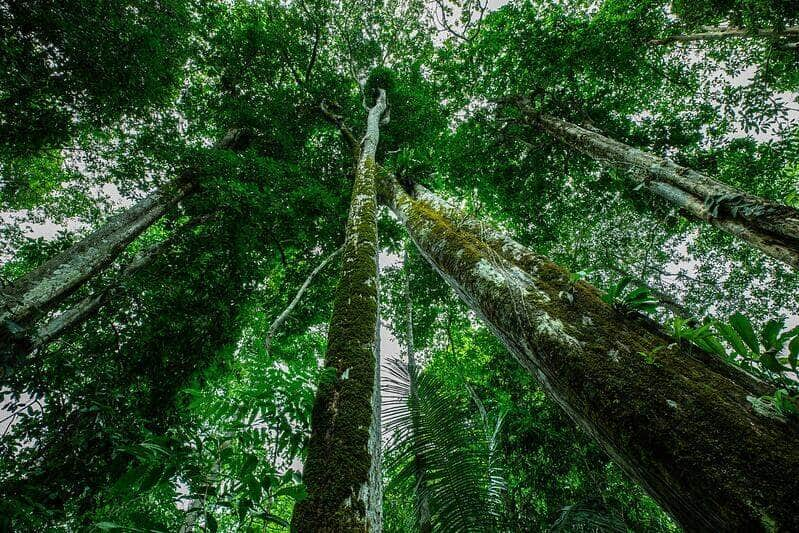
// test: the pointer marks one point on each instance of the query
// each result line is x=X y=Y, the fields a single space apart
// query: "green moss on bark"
x=682 y=428
x=337 y=466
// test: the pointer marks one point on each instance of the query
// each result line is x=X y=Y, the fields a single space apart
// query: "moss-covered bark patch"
x=682 y=428
x=337 y=466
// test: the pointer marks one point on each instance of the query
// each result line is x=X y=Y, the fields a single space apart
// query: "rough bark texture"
x=773 y=228
x=86 y=308
x=527 y=260
x=339 y=468
x=696 y=440
x=721 y=33
x=44 y=288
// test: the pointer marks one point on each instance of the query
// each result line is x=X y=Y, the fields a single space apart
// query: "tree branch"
x=345 y=131
x=280 y=320
x=721 y=32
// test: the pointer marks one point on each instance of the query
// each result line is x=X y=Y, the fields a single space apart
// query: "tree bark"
x=722 y=33
x=42 y=289
x=341 y=471
x=771 y=227
x=421 y=502
x=695 y=439
x=89 y=306
x=524 y=258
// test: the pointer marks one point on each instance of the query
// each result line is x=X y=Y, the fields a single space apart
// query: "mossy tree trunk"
x=76 y=315
x=698 y=441
x=341 y=471
x=790 y=34
x=42 y=289
x=526 y=259
x=771 y=227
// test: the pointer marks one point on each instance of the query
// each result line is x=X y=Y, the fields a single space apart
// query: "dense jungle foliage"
x=182 y=396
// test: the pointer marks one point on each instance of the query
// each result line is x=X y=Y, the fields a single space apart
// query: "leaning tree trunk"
x=76 y=315
x=712 y=454
x=524 y=258
x=771 y=227
x=790 y=33
x=341 y=471
x=42 y=289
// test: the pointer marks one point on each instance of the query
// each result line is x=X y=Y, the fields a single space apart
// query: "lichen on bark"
x=769 y=226
x=701 y=460
x=338 y=472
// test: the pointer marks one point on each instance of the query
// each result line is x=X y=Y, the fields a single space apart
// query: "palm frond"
x=438 y=450
x=588 y=517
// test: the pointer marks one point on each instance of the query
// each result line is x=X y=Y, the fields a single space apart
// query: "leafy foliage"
x=165 y=411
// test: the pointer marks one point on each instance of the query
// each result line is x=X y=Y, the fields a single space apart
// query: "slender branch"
x=314 y=53
x=279 y=321
x=345 y=131
x=441 y=16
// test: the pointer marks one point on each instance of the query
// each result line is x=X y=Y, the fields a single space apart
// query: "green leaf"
x=732 y=337
x=771 y=332
x=295 y=492
x=712 y=344
x=151 y=479
x=269 y=517
x=244 y=507
x=107 y=526
x=249 y=465
x=793 y=352
x=743 y=326
x=769 y=360
x=211 y=524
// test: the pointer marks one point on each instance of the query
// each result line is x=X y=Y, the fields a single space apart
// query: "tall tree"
x=42 y=289
x=341 y=470
x=610 y=371
x=773 y=228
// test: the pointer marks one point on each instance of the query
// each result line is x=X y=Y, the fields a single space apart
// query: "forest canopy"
x=399 y=265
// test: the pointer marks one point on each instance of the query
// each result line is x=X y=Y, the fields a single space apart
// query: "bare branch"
x=280 y=320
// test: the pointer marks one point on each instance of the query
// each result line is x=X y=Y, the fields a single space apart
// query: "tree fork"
x=693 y=438
x=341 y=471
x=771 y=227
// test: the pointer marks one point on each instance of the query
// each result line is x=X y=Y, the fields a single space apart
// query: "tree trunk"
x=89 y=306
x=341 y=471
x=526 y=259
x=771 y=227
x=421 y=502
x=721 y=33
x=42 y=289
x=702 y=445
